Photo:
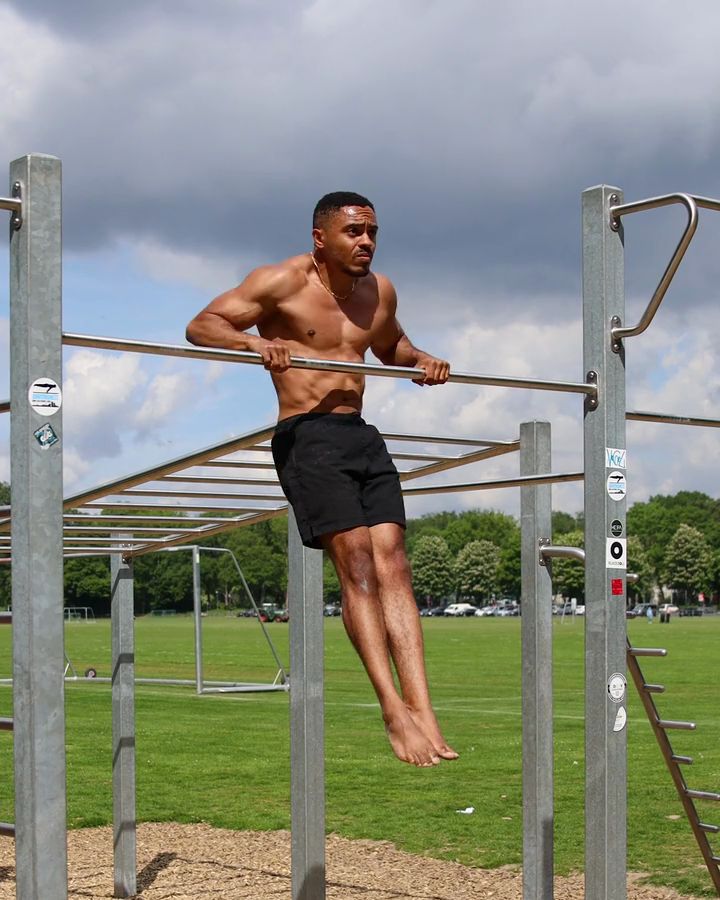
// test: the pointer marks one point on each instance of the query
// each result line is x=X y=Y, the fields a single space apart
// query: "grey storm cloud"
x=473 y=127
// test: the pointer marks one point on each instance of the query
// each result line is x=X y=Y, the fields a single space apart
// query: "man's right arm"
x=224 y=322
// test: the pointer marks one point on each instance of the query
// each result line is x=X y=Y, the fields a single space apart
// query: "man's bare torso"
x=315 y=324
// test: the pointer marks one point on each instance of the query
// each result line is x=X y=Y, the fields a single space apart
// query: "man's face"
x=347 y=239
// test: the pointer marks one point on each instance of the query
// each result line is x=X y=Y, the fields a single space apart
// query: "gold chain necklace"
x=328 y=289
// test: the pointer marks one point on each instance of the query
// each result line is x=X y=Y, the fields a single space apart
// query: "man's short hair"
x=330 y=203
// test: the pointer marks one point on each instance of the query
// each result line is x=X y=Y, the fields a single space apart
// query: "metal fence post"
x=605 y=554
x=123 y=724
x=197 y=615
x=307 y=739
x=37 y=493
x=537 y=697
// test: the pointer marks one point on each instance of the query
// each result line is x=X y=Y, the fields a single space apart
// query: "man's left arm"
x=394 y=348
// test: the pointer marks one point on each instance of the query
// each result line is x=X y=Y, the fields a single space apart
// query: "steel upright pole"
x=307 y=744
x=537 y=696
x=197 y=613
x=123 y=723
x=605 y=554
x=37 y=508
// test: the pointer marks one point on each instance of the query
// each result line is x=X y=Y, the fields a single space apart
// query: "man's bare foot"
x=408 y=741
x=427 y=723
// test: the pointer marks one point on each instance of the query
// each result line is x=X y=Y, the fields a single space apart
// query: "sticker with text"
x=620 y=719
x=45 y=396
x=615 y=458
x=616 y=485
x=616 y=555
x=616 y=687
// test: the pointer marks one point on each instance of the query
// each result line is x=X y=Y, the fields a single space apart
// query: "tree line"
x=674 y=541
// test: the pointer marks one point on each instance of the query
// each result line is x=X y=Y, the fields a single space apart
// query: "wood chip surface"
x=179 y=862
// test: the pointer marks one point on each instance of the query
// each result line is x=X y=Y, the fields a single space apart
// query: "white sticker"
x=620 y=719
x=616 y=485
x=616 y=553
x=615 y=458
x=45 y=396
x=616 y=687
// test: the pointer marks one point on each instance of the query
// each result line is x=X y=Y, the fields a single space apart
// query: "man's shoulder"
x=280 y=280
x=385 y=288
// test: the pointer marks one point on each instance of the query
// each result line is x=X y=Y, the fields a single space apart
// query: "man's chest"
x=326 y=323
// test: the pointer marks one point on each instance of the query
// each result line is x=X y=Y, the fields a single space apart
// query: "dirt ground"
x=196 y=861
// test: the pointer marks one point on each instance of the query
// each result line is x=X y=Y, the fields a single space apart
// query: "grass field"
x=225 y=759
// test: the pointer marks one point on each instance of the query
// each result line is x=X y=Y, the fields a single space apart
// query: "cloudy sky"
x=196 y=138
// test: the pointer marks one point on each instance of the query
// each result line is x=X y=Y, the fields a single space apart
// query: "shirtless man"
x=334 y=468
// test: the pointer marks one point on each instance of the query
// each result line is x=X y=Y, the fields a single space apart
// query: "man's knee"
x=355 y=564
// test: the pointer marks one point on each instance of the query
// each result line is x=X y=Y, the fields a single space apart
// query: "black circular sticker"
x=617 y=550
x=616 y=528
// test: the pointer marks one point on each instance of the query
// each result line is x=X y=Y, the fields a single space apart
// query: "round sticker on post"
x=620 y=719
x=45 y=396
x=616 y=485
x=616 y=528
x=616 y=687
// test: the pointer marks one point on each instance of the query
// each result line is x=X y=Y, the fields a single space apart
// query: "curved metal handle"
x=618 y=332
x=551 y=551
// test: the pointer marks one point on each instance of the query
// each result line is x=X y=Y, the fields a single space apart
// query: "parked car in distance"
x=330 y=609
x=668 y=609
x=430 y=611
x=460 y=609
x=271 y=613
x=691 y=611
x=490 y=610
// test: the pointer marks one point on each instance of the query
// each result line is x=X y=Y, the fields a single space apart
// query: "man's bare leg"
x=352 y=555
x=404 y=631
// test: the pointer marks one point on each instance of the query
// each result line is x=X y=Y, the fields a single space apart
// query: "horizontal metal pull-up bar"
x=552 y=551
x=325 y=365
x=670 y=419
x=4 y=406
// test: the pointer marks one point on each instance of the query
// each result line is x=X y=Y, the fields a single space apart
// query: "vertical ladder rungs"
x=711 y=829
x=682 y=760
x=703 y=795
x=6 y=724
x=654 y=688
x=671 y=724
x=7 y=829
x=646 y=651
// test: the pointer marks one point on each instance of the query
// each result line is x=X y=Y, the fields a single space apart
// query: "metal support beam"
x=37 y=572
x=123 y=725
x=537 y=696
x=197 y=613
x=605 y=556
x=307 y=739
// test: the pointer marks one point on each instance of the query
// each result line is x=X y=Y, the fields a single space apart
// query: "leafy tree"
x=687 y=562
x=639 y=564
x=656 y=521
x=331 y=583
x=432 y=569
x=87 y=583
x=509 y=571
x=476 y=569
x=568 y=575
x=564 y=523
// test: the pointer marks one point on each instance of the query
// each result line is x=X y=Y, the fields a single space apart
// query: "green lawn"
x=225 y=759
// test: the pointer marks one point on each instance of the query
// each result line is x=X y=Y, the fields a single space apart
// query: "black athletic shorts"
x=336 y=472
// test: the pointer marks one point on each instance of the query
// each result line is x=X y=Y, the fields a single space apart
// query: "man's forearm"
x=406 y=354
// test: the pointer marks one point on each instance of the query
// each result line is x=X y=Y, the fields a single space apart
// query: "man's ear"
x=318 y=236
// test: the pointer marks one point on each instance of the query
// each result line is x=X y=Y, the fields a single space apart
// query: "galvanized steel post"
x=537 y=696
x=123 y=724
x=197 y=613
x=37 y=507
x=605 y=556
x=307 y=739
